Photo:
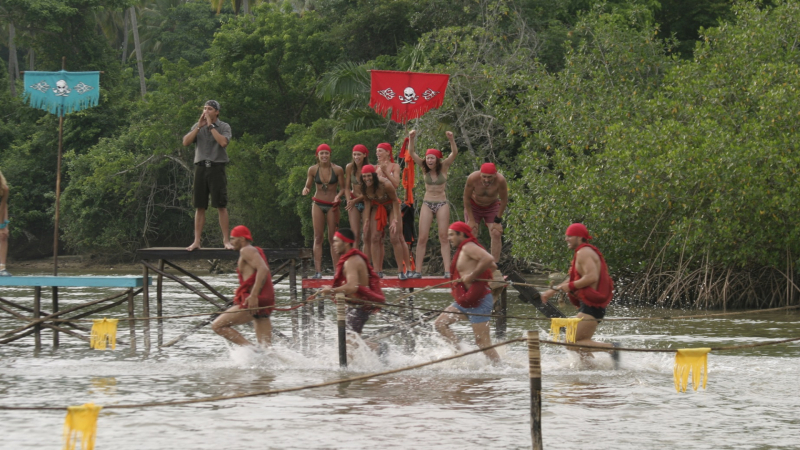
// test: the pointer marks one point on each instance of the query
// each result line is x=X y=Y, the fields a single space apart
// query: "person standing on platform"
x=435 y=203
x=357 y=280
x=470 y=263
x=485 y=199
x=4 y=221
x=255 y=291
x=382 y=208
x=387 y=169
x=355 y=195
x=211 y=136
x=329 y=179
x=589 y=287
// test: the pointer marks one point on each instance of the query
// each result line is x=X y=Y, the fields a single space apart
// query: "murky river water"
x=750 y=402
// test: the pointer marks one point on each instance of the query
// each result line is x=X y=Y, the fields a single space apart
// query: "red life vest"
x=267 y=295
x=598 y=298
x=371 y=293
x=468 y=298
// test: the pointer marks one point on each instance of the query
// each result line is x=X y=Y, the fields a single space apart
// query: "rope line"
x=665 y=350
x=277 y=391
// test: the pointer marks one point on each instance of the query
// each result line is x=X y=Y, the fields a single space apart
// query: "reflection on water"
x=464 y=403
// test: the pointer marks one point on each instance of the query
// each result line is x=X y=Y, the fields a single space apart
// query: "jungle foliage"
x=667 y=127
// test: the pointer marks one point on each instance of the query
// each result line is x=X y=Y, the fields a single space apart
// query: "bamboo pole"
x=341 y=314
x=535 y=375
x=131 y=322
x=160 y=302
x=293 y=297
x=501 y=322
x=55 y=310
x=146 y=306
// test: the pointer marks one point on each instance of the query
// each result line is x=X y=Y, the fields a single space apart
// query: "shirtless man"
x=485 y=199
x=211 y=136
x=471 y=262
x=589 y=287
x=355 y=278
x=255 y=290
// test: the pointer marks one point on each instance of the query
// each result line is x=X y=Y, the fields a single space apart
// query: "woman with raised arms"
x=329 y=179
x=434 y=203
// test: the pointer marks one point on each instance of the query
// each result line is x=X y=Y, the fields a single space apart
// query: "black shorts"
x=210 y=181
x=597 y=313
x=356 y=318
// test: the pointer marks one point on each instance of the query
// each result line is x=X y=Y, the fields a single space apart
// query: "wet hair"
x=437 y=169
x=348 y=233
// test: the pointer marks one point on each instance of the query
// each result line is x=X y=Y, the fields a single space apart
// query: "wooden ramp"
x=531 y=296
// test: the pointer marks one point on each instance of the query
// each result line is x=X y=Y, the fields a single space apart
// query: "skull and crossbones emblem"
x=409 y=96
x=61 y=90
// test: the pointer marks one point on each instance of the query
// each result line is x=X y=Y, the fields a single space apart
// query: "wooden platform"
x=88 y=281
x=390 y=282
x=180 y=253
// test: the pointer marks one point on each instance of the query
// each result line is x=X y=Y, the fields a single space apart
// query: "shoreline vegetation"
x=668 y=128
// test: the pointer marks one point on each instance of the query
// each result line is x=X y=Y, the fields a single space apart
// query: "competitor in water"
x=470 y=263
x=382 y=208
x=435 y=203
x=355 y=193
x=485 y=199
x=255 y=290
x=589 y=287
x=355 y=278
x=329 y=179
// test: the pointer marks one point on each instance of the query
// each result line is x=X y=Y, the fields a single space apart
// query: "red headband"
x=488 y=168
x=368 y=168
x=434 y=152
x=462 y=228
x=241 y=231
x=579 y=230
x=386 y=146
x=361 y=148
x=343 y=238
x=323 y=148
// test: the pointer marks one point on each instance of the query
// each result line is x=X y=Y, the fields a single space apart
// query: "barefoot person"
x=382 y=209
x=211 y=136
x=435 y=203
x=329 y=179
x=4 y=232
x=470 y=263
x=485 y=199
x=387 y=169
x=255 y=290
x=355 y=279
x=355 y=195
x=589 y=286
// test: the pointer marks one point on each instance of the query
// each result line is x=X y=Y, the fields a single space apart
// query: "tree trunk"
x=138 y=48
x=125 y=37
x=246 y=7
x=31 y=59
x=13 y=68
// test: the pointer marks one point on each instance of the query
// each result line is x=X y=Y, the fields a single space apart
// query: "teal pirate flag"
x=62 y=92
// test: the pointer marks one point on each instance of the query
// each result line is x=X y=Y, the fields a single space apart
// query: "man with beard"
x=485 y=199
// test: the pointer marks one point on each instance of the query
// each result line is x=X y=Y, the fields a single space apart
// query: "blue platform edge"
x=88 y=281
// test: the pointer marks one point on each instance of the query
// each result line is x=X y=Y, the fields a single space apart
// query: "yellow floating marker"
x=104 y=331
x=81 y=424
x=694 y=360
x=571 y=324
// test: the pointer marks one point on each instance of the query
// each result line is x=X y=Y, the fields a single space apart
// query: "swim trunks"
x=485 y=213
x=484 y=307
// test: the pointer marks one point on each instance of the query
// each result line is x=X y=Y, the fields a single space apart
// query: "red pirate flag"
x=408 y=94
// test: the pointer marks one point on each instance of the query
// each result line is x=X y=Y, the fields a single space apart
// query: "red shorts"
x=485 y=213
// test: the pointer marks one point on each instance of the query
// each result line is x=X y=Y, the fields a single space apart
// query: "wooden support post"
x=501 y=323
x=535 y=375
x=146 y=306
x=408 y=336
x=159 y=302
x=293 y=297
x=55 y=310
x=341 y=322
x=132 y=323
x=37 y=313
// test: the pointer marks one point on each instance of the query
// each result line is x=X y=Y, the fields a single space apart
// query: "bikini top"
x=333 y=180
x=354 y=180
x=441 y=179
